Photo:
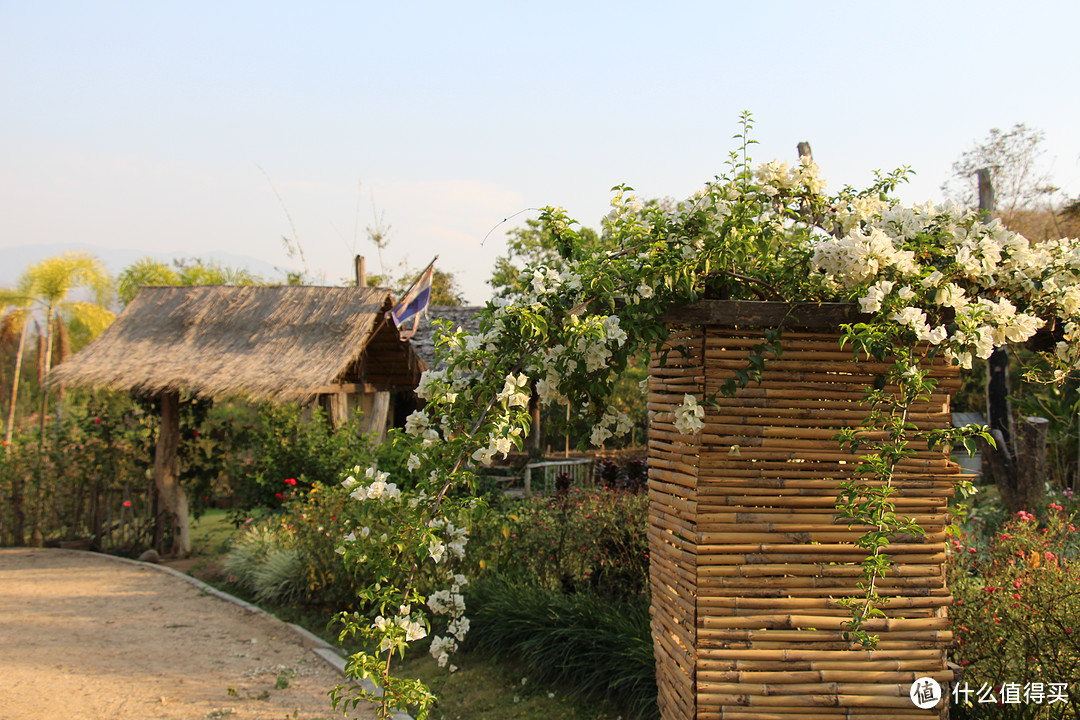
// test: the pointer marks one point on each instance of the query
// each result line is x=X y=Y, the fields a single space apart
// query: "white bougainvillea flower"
x=688 y=416
x=515 y=390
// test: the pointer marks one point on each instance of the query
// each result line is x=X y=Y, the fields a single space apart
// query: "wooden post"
x=986 y=193
x=361 y=274
x=533 y=440
x=1018 y=464
x=174 y=506
x=337 y=409
x=374 y=420
x=1031 y=460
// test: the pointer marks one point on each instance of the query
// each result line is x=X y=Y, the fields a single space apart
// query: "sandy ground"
x=85 y=636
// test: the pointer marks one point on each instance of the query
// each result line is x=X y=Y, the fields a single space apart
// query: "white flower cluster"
x=413 y=628
x=376 y=489
x=418 y=424
x=452 y=603
x=612 y=423
x=688 y=416
x=776 y=176
x=501 y=440
x=515 y=392
x=454 y=541
x=862 y=256
x=976 y=275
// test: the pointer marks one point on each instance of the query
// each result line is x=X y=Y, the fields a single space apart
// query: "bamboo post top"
x=759 y=313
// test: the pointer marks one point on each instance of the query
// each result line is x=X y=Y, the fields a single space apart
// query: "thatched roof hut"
x=277 y=343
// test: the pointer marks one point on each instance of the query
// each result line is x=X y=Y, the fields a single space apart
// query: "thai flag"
x=416 y=299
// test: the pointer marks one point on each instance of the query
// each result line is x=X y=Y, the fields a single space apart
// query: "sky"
x=203 y=127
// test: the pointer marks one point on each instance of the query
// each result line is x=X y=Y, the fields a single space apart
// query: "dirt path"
x=86 y=636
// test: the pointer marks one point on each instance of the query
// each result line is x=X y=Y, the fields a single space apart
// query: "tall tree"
x=1012 y=159
x=51 y=287
x=148 y=271
x=48 y=289
x=15 y=308
x=536 y=244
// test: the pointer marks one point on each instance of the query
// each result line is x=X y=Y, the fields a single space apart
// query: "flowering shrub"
x=280 y=444
x=935 y=280
x=87 y=480
x=1015 y=617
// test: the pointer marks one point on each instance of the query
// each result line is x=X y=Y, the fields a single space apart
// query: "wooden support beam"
x=173 y=501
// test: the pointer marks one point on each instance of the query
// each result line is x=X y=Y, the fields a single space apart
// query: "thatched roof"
x=461 y=316
x=279 y=343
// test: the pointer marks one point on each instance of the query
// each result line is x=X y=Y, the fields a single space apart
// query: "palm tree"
x=47 y=287
x=50 y=287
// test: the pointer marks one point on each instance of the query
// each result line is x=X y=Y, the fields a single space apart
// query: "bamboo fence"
x=748 y=558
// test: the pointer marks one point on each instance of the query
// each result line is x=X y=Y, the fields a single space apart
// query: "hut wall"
x=747 y=556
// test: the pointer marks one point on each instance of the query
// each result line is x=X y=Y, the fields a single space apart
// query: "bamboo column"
x=748 y=559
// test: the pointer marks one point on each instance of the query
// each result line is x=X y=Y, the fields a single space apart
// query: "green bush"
x=87 y=478
x=286 y=454
x=581 y=541
x=1016 y=615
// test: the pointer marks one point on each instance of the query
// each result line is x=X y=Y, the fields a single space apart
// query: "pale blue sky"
x=145 y=124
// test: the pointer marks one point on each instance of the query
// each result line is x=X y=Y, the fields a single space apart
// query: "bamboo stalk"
x=792 y=622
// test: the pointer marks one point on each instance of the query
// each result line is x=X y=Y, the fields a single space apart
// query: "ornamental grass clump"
x=933 y=281
x=595 y=648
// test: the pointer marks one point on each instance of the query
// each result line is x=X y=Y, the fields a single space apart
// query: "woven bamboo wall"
x=746 y=552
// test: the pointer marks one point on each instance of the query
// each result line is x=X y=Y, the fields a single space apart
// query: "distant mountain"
x=16 y=259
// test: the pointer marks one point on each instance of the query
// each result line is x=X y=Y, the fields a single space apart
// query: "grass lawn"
x=482 y=689
x=210 y=533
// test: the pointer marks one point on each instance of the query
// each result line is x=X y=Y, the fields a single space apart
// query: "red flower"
x=97 y=421
x=290 y=481
x=127 y=503
x=278 y=495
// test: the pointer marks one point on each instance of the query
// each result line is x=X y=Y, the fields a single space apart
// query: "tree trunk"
x=15 y=387
x=45 y=374
x=173 y=501
x=63 y=350
x=18 y=513
x=1031 y=462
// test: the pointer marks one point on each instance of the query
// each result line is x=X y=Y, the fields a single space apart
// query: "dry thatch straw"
x=278 y=343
